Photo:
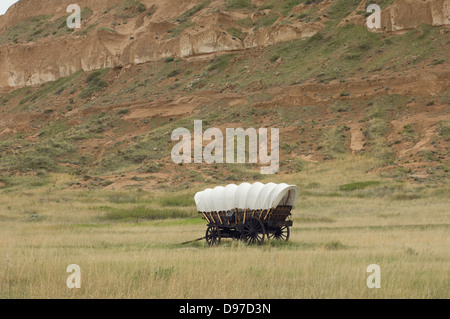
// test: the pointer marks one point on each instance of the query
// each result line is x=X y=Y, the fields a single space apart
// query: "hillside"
x=101 y=102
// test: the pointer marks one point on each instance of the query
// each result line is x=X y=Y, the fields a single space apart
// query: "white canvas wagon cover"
x=246 y=196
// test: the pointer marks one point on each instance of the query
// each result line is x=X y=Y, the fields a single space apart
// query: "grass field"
x=346 y=219
x=372 y=107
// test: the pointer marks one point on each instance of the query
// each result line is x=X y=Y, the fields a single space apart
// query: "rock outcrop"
x=409 y=14
x=158 y=29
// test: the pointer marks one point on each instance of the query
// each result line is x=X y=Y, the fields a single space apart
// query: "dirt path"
x=426 y=129
x=357 y=138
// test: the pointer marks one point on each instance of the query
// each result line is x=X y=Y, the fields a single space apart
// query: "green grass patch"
x=335 y=141
x=24 y=182
x=173 y=33
x=221 y=63
x=27 y=30
x=238 y=4
x=54 y=129
x=192 y=11
x=342 y=8
x=32 y=97
x=184 y=20
x=358 y=185
x=185 y=200
x=283 y=7
x=266 y=20
x=382 y=3
x=147 y=213
x=44 y=156
x=237 y=33
x=129 y=9
x=42 y=26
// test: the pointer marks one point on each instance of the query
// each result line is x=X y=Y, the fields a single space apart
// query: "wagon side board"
x=272 y=224
x=233 y=220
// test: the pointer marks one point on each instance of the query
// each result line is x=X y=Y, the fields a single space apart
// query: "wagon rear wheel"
x=253 y=231
x=212 y=236
x=280 y=233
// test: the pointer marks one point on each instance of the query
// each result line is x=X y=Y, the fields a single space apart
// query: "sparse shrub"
x=174 y=73
x=123 y=111
x=411 y=251
x=34 y=217
x=95 y=83
x=428 y=155
x=59 y=91
x=151 y=168
x=316 y=37
x=340 y=106
x=438 y=61
x=274 y=58
x=444 y=129
x=334 y=245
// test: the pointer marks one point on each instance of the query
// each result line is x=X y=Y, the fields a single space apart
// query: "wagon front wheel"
x=253 y=231
x=213 y=236
x=280 y=233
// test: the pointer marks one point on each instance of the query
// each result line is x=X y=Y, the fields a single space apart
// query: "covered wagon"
x=247 y=211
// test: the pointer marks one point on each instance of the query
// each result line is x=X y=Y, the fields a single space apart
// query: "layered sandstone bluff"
x=409 y=14
x=161 y=29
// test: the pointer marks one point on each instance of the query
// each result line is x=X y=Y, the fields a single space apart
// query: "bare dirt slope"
x=116 y=33
x=101 y=102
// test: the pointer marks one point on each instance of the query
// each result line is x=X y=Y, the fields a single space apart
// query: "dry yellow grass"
x=336 y=235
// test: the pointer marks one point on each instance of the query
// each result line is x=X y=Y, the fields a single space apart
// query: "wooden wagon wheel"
x=280 y=233
x=253 y=231
x=212 y=236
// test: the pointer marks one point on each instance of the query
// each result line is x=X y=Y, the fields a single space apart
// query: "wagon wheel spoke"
x=213 y=236
x=253 y=231
x=280 y=233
